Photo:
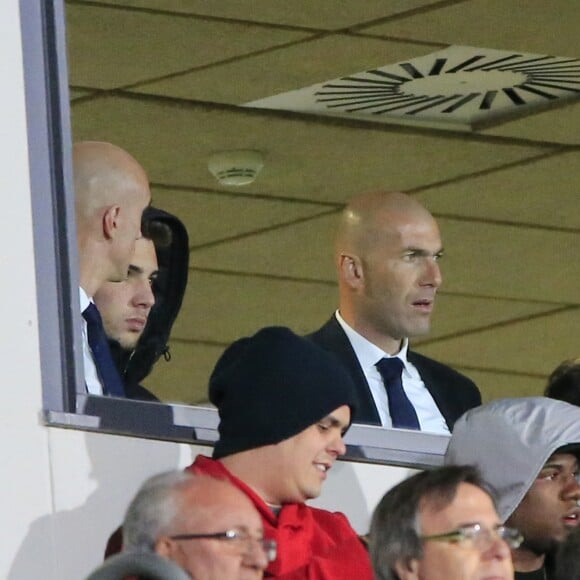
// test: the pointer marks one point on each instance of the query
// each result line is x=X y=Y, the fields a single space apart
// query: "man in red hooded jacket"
x=284 y=406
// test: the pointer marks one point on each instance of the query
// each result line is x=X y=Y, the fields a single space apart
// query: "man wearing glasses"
x=527 y=450
x=206 y=526
x=441 y=525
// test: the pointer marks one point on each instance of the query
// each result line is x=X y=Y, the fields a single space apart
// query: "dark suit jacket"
x=452 y=392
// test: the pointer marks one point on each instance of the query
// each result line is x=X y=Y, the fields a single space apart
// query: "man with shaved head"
x=111 y=192
x=387 y=255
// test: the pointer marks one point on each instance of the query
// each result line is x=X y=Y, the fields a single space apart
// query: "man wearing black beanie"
x=284 y=405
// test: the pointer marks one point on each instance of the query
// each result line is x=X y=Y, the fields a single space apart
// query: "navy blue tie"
x=108 y=373
x=402 y=412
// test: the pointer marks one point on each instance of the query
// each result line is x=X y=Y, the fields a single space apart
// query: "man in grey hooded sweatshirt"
x=528 y=450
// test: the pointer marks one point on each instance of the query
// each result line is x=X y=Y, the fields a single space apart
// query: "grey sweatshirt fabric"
x=509 y=440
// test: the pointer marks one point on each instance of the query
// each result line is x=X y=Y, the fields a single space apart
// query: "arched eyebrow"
x=332 y=421
x=423 y=253
x=137 y=270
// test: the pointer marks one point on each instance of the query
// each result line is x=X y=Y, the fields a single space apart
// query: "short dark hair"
x=395 y=533
x=155 y=230
x=564 y=382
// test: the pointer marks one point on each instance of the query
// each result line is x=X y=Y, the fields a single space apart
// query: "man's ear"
x=407 y=570
x=351 y=270
x=164 y=547
x=110 y=221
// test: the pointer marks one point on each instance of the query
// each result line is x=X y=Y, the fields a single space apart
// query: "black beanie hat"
x=272 y=386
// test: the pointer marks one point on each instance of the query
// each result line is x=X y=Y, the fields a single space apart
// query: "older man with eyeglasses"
x=441 y=525
x=205 y=525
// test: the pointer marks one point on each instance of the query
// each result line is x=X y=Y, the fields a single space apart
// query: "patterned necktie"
x=402 y=412
x=108 y=373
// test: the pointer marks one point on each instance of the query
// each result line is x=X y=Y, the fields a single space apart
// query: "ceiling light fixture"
x=236 y=168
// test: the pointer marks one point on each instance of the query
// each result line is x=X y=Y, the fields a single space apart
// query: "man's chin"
x=544 y=546
x=129 y=344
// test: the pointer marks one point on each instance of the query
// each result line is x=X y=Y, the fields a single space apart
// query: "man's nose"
x=145 y=296
x=432 y=273
x=571 y=489
x=337 y=446
x=256 y=555
x=498 y=549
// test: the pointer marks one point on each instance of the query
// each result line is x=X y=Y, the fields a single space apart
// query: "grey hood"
x=509 y=440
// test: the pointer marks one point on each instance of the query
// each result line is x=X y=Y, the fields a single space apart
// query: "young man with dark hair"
x=528 y=450
x=138 y=313
x=284 y=406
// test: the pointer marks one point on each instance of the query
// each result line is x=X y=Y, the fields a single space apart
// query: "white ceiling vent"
x=461 y=87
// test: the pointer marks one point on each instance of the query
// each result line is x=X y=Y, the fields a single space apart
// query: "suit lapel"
x=431 y=384
x=332 y=337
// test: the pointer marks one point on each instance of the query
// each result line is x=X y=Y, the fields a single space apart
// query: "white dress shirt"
x=92 y=381
x=430 y=418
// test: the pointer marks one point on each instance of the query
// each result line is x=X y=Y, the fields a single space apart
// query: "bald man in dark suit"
x=387 y=255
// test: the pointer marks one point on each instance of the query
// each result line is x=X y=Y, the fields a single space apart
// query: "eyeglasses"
x=236 y=537
x=481 y=537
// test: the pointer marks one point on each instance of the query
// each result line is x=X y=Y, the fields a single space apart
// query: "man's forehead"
x=560 y=457
x=470 y=504
x=340 y=416
x=145 y=258
x=210 y=496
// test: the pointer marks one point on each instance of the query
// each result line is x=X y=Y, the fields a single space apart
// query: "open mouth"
x=572 y=519
x=322 y=467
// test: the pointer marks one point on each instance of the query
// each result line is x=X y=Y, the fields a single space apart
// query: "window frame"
x=65 y=405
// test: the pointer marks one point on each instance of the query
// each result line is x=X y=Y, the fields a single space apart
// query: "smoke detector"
x=236 y=168
x=460 y=87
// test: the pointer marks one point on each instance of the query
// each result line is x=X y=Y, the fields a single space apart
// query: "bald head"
x=105 y=174
x=370 y=215
x=111 y=191
x=387 y=247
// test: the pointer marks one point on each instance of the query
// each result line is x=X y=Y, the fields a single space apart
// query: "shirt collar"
x=84 y=299
x=368 y=353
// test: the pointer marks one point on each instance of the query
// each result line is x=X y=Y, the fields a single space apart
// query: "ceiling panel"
x=304 y=160
x=287 y=69
x=322 y=14
x=228 y=306
x=510 y=261
x=210 y=217
x=301 y=251
x=526 y=194
x=134 y=46
x=526 y=347
x=78 y=93
x=530 y=26
x=458 y=315
x=561 y=125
